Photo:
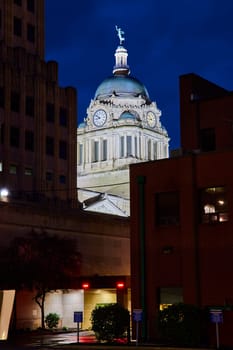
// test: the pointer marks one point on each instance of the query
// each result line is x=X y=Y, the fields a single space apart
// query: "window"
x=62 y=179
x=2 y=97
x=14 y=136
x=2 y=132
x=15 y=101
x=62 y=149
x=31 y=33
x=1 y=167
x=49 y=176
x=18 y=2
x=169 y=296
x=0 y=19
x=136 y=146
x=13 y=169
x=29 y=106
x=49 y=146
x=207 y=140
x=96 y=151
x=31 y=5
x=50 y=112
x=29 y=140
x=149 y=149
x=155 y=150
x=213 y=204
x=129 y=146
x=28 y=171
x=17 y=26
x=122 y=148
x=167 y=208
x=80 y=159
x=63 y=116
x=104 y=150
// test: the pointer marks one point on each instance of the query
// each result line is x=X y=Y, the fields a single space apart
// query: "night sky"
x=164 y=39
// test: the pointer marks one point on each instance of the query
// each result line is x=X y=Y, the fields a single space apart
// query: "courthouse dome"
x=121 y=85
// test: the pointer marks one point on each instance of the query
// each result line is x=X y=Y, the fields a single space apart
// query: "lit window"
x=1 y=167
x=213 y=204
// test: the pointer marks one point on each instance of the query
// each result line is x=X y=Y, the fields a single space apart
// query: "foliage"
x=181 y=325
x=43 y=263
x=52 y=320
x=110 y=322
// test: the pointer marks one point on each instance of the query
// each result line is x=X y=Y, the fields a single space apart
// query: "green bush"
x=110 y=322
x=181 y=324
x=52 y=320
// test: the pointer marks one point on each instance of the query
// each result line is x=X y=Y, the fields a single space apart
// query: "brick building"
x=182 y=213
x=38 y=119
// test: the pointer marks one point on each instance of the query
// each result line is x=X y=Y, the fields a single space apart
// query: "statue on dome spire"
x=120 y=34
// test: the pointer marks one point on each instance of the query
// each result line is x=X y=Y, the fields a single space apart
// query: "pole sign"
x=137 y=315
x=216 y=315
x=78 y=316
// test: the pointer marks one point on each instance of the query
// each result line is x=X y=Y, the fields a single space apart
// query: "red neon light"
x=85 y=285
x=120 y=285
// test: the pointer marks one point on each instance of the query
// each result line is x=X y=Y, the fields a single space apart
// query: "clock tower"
x=122 y=127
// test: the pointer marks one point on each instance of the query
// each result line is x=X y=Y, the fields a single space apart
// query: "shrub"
x=181 y=324
x=110 y=322
x=52 y=320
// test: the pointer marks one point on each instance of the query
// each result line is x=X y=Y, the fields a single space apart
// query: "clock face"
x=99 y=117
x=150 y=118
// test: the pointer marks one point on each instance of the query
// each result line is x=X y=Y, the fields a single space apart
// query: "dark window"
x=15 y=101
x=63 y=116
x=31 y=33
x=80 y=154
x=207 y=140
x=96 y=151
x=14 y=136
x=13 y=169
x=2 y=97
x=213 y=204
x=29 y=140
x=2 y=133
x=63 y=149
x=17 y=26
x=31 y=5
x=50 y=111
x=62 y=179
x=167 y=208
x=49 y=146
x=104 y=150
x=49 y=176
x=29 y=106
x=28 y=171
x=18 y=2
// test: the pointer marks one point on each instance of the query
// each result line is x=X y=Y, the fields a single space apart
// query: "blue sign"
x=137 y=315
x=216 y=316
x=78 y=316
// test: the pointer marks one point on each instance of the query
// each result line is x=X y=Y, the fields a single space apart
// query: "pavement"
x=85 y=340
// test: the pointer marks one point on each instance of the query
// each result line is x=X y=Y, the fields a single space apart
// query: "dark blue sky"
x=164 y=39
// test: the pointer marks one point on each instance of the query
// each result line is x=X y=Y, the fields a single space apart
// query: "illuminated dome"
x=121 y=85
